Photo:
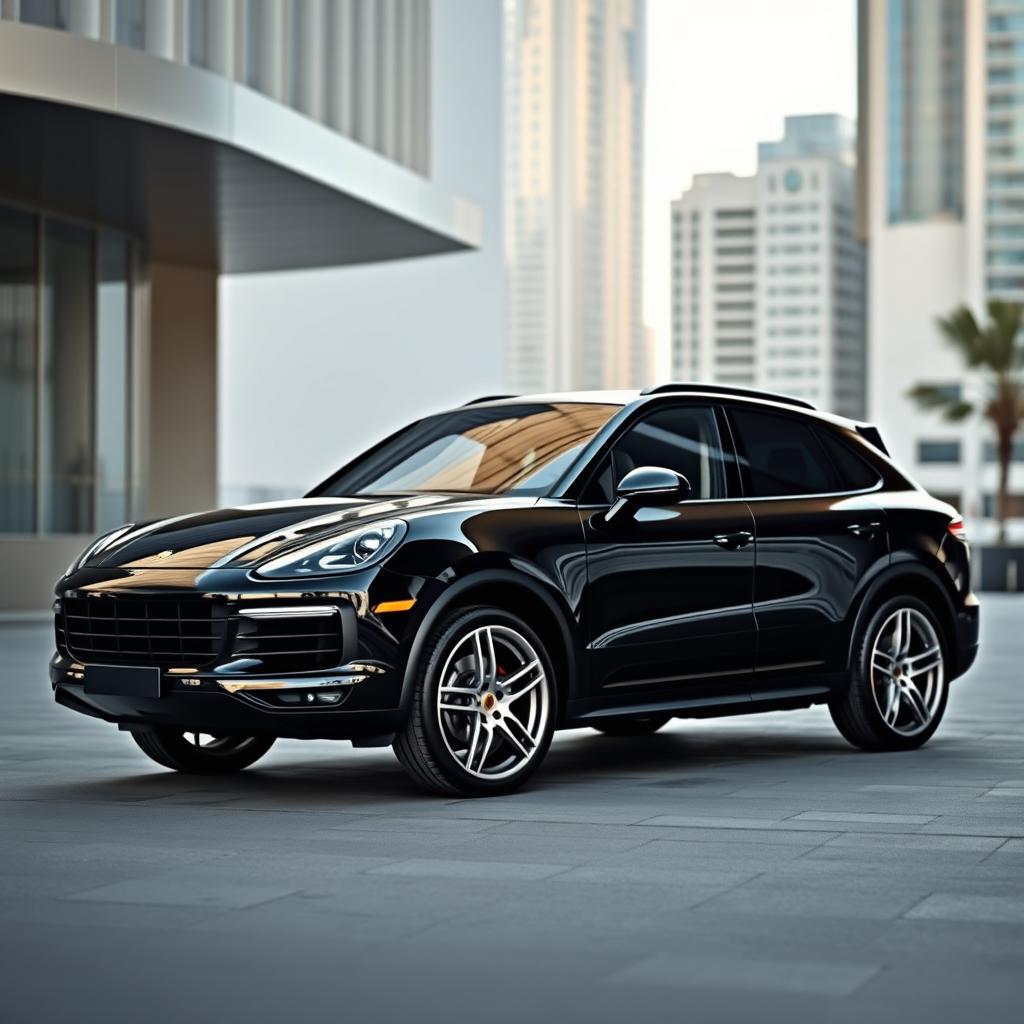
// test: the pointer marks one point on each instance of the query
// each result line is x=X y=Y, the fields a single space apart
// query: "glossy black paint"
x=696 y=606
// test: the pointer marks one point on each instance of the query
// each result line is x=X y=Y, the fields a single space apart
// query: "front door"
x=668 y=610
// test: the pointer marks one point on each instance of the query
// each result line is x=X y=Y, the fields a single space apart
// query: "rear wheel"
x=631 y=725
x=483 y=708
x=898 y=688
x=201 y=753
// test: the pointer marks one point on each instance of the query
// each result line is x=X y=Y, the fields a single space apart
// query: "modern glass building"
x=574 y=73
x=146 y=148
x=941 y=184
x=767 y=276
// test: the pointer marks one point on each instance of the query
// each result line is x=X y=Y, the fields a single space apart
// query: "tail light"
x=957 y=529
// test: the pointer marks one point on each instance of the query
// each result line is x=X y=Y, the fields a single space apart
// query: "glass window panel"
x=112 y=320
x=67 y=379
x=17 y=370
x=198 y=34
x=683 y=438
x=781 y=454
x=48 y=13
x=131 y=23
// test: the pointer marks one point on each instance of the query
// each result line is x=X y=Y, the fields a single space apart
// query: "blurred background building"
x=767 y=276
x=574 y=203
x=149 y=146
x=941 y=190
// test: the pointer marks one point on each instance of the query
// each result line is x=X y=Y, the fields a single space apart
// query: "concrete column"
x=182 y=388
x=340 y=65
x=367 y=99
x=269 y=56
x=306 y=50
x=160 y=28
x=421 y=113
x=219 y=28
x=10 y=9
x=389 y=99
x=84 y=18
x=108 y=30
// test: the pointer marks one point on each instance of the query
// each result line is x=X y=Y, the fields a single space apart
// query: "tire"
x=494 y=671
x=218 y=755
x=631 y=725
x=895 y=702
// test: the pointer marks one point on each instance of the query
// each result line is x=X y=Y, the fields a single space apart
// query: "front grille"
x=286 y=643
x=127 y=629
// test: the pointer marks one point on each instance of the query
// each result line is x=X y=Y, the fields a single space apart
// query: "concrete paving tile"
x=158 y=892
x=476 y=869
x=863 y=818
x=816 y=979
x=954 y=906
x=702 y=821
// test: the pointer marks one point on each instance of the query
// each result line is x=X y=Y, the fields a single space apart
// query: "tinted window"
x=780 y=454
x=854 y=472
x=684 y=438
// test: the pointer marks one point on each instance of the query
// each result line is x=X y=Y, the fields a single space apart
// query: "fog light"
x=329 y=698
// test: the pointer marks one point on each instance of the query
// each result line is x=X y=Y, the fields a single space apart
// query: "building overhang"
x=206 y=171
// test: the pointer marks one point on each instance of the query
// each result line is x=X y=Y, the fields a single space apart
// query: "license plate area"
x=122 y=680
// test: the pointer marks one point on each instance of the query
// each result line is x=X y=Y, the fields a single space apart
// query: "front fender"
x=439 y=596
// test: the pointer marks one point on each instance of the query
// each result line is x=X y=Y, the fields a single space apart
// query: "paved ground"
x=742 y=869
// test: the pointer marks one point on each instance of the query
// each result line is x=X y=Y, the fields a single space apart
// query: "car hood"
x=248 y=535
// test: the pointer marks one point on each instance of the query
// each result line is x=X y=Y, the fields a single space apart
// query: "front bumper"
x=353 y=694
x=225 y=713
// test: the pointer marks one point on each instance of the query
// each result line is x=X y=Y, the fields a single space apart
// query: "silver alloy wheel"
x=907 y=672
x=493 y=702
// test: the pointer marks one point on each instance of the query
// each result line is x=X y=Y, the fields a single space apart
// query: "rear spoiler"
x=871 y=434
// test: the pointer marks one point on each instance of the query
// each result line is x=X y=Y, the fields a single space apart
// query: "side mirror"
x=647 y=485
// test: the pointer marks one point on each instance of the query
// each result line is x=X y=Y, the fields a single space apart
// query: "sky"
x=721 y=75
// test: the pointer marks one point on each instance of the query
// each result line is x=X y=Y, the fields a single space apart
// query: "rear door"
x=819 y=530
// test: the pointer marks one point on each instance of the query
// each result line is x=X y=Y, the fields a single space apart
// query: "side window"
x=855 y=473
x=781 y=455
x=683 y=438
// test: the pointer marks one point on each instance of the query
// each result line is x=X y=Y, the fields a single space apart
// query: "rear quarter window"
x=854 y=472
x=780 y=455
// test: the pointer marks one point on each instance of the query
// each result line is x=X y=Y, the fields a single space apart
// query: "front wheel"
x=201 y=753
x=483 y=707
x=898 y=688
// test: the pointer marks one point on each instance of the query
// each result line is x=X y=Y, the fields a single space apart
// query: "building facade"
x=150 y=146
x=941 y=183
x=574 y=178
x=767 y=276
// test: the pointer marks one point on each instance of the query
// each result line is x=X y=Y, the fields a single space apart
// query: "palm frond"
x=931 y=396
x=957 y=411
x=1001 y=336
x=961 y=330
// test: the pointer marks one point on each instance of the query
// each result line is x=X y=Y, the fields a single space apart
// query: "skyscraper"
x=941 y=182
x=767 y=277
x=574 y=142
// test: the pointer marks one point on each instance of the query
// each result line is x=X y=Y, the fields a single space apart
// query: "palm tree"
x=995 y=350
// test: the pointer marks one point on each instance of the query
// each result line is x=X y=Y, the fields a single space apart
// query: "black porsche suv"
x=524 y=564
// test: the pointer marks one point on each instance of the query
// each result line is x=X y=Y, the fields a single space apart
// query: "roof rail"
x=685 y=387
x=486 y=398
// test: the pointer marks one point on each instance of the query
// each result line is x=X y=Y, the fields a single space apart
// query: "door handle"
x=864 y=529
x=733 y=541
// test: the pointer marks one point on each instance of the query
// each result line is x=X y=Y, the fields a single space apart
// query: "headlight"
x=96 y=547
x=353 y=550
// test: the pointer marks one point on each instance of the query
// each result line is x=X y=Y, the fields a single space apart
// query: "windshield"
x=507 y=449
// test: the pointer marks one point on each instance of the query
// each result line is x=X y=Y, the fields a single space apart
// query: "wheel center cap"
x=488 y=702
